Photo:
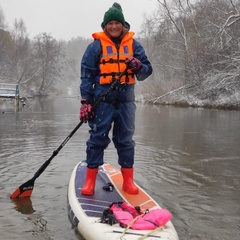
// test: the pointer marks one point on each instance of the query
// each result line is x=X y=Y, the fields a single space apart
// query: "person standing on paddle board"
x=105 y=59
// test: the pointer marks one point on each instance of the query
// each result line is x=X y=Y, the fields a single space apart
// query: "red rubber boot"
x=89 y=185
x=128 y=184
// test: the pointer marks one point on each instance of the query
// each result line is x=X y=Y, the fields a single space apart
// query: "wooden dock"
x=10 y=91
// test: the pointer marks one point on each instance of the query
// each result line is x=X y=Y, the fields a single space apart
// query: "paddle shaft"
x=96 y=103
x=55 y=153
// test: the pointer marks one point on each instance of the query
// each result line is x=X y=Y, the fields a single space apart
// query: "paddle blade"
x=25 y=190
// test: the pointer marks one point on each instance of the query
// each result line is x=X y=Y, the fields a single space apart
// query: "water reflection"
x=24 y=205
x=194 y=167
x=187 y=159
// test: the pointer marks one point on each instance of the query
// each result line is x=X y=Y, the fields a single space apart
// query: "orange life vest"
x=112 y=62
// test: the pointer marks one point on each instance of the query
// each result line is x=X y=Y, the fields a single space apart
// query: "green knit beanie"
x=113 y=13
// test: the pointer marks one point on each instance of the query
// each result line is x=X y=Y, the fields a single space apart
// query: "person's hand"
x=134 y=64
x=86 y=111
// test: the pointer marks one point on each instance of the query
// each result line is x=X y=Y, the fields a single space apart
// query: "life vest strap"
x=111 y=60
x=114 y=75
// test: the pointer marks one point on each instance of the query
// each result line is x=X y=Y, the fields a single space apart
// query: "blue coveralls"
x=117 y=109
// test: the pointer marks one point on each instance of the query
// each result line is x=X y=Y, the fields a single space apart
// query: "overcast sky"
x=64 y=19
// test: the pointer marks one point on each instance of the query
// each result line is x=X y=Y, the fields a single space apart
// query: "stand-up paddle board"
x=85 y=212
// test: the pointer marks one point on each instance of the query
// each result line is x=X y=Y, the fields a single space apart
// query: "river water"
x=186 y=158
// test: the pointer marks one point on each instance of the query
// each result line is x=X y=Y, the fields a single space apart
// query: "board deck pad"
x=84 y=208
x=94 y=205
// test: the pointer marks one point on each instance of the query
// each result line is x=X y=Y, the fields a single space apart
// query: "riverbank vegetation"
x=193 y=45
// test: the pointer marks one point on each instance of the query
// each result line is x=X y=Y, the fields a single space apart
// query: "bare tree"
x=5 y=45
x=2 y=19
x=196 y=40
x=47 y=54
x=20 y=51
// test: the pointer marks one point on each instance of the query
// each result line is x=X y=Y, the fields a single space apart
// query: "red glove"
x=134 y=64
x=86 y=111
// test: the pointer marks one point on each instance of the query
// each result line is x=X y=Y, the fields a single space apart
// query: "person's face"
x=114 y=28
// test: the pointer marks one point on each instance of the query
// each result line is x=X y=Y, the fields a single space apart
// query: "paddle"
x=25 y=190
